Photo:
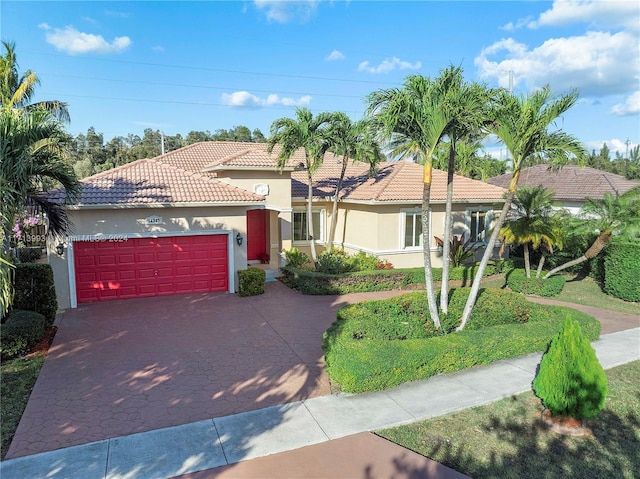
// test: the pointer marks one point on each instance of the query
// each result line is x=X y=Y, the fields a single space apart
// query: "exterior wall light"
x=60 y=248
x=239 y=239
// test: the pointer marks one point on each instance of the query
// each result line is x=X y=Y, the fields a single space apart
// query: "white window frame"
x=403 y=223
x=322 y=216
x=488 y=220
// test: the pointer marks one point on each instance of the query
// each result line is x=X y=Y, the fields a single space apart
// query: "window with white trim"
x=478 y=222
x=412 y=229
x=300 y=225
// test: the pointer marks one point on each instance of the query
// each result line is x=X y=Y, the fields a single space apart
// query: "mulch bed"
x=42 y=347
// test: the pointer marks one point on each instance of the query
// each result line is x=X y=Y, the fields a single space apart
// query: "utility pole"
x=626 y=154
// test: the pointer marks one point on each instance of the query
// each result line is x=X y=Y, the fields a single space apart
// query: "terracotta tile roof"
x=570 y=183
x=152 y=181
x=394 y=181
x=209 y=155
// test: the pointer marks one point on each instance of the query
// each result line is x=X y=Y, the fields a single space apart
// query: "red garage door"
x=141 y=267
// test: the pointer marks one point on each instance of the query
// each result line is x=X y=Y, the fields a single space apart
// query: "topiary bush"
x=22 y=330
x=35 y=290
x=334 y=262
x=517 y=280
x=296 y=258
x=571 y=381
x=251 y=281
x=622 y=270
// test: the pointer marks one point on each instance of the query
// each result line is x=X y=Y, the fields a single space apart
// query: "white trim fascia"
x=223 y=167
x=118 y=206
x=383 y=252
x=70 y=258
x=412 y=202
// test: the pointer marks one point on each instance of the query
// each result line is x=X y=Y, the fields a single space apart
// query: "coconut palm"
x=307 y=132
x=532 y=221
x=32 y=150
x=355 y=141
x=416 y=116
x=522 y=123
x=609 y=216
x=17 y=90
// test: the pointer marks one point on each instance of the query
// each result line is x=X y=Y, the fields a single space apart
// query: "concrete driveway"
x=121 y=367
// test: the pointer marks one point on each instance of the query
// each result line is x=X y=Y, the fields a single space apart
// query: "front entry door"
x=256 y=234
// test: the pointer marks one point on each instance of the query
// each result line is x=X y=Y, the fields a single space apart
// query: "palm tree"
x=522 y=124
x=32 y=150
x=17 y=90
x=467 y=105
x=355 y=141
x=531 y=221
x=416 y=116
x=609 y=216
x=307 y=132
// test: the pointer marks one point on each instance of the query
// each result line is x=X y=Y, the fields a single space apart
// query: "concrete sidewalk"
x=211 y=443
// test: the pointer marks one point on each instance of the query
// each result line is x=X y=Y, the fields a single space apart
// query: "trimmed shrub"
x=622 y=270
x=571 y=381
x=35 y=290
x=517 y=280
x=22 y=330
x=365 y=262
x=334 y=262
x=29 y=254
x=251 y=281
x=363 y=352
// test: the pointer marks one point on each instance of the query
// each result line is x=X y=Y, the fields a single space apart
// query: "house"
x=572 y=184
x=188 y=220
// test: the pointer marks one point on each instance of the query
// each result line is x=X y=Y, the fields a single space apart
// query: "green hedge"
x=314 y=283
x=29 y=254
x=622 y=270
x=22 y=330
x=35 y=290
x=517 y=280
x=380 y=344
x=251 y=281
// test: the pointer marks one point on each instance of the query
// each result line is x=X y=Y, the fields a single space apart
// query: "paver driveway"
x=121 y=367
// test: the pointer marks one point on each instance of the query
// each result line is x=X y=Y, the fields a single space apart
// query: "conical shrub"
x=571 y=381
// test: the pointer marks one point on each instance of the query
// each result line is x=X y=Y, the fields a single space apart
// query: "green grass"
x=507 y=439
x=17 y=378
x=578 y=290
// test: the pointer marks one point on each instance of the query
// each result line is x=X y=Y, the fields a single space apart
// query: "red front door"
x=139 y=267
x=256 y=234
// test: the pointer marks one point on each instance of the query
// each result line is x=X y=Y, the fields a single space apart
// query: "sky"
x=178 y=66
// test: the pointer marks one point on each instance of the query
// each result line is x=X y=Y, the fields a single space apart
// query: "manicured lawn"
x=579 y=291
x=506 y=439
x=17 y=378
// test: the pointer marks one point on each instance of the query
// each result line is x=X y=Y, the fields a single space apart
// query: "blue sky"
x=181 y=66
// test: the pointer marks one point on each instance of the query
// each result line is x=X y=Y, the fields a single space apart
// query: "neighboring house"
x=188 y=220
x=572 y=184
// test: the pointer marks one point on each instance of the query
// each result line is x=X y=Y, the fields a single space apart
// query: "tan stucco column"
x=285 y=230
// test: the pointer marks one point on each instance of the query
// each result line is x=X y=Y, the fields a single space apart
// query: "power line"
x=219 y=70
x=186 y=85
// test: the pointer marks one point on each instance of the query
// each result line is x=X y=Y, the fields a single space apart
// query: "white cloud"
x=605 y=13
x=629 y=107
x=73 y=42
x=89 y=20
x=519 y=24
x=614 y=144
x=597 y=63
x=244 y=98
x=44 y=26
x=158 y=48
x=280 y=11
x=335 y=55
x=388 y=65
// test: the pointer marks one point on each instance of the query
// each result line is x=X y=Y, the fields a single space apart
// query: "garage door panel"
x=144 y=267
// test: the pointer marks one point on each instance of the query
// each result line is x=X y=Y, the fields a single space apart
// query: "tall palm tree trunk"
x=541 y=263
x=446 y=246
x=527 y=260
x=594 y=250
x=475 y=287
x=426 y=250
x=334 y=212
x=312 y=240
